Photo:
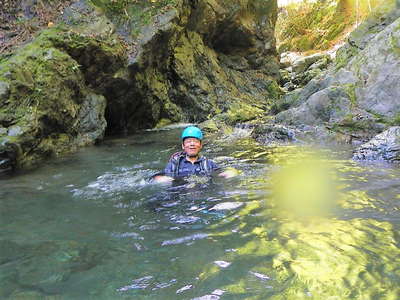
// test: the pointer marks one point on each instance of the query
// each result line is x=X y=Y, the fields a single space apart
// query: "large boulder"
x=50 y=95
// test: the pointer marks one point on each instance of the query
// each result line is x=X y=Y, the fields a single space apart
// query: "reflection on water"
x=297 y=223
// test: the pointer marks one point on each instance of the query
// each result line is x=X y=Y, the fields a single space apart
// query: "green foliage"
x=319 y=25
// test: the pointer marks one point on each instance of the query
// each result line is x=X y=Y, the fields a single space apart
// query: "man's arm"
x=227 y=173
x=166 y=175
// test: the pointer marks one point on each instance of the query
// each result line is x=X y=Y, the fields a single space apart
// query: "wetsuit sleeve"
x=169 y=169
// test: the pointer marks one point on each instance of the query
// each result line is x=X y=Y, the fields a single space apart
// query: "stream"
x=296 y=223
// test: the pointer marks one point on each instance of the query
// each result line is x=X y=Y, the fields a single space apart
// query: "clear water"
x=89 y=226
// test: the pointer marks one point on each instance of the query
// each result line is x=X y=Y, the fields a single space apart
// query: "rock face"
x=198 y=59
x=359 y=96
x=192 y=60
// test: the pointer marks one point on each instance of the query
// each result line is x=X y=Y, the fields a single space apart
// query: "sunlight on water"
x=303 y=184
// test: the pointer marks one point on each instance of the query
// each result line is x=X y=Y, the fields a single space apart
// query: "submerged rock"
x=44 y=267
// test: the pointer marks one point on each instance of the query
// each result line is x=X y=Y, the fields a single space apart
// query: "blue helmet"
x=192 y=131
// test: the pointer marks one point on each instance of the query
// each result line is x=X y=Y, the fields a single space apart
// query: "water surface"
x=90 y=226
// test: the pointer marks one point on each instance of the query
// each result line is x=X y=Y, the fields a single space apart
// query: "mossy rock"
x=47 y=97
x=240 y=112
x=163 y=122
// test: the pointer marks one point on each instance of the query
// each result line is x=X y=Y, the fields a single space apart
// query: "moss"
x=163 y=122
x=395 y=45
x=395 y=121
x=48 y=83
x=241 y=112
x=133 y=14
x=388 y=121
x=350 y=90
x=274 y=90
x=289 y=100
x=344 y=55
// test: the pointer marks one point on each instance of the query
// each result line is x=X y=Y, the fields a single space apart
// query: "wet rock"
x=268 y=134
x=209 y=126
x=51 y=107
x=384 y=146
x=50 y=264
x=9 y=152
x=11 y=251
x=202 y=59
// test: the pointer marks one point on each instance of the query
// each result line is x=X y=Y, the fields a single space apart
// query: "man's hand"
x=229 y=173
x=162 y=179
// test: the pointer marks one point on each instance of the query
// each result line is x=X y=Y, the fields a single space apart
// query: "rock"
x=321 y=64
x=15 y=131
x=288 y=58
x=300 y=70
x=328 y=105
x=9 y=152
x=378 y=21
x=303 y=63
x=209 y=126
x=49 y=264
x=359 y=97
x=384 y=146
x=4 y=90
x=268 y=134
x=51 y=107
x=201 y=59
x=92 y=123
x=182 y=61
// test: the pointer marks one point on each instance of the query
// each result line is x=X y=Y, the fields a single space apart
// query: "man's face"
x=192 y=146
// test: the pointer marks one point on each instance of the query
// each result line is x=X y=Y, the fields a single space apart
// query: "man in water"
x=189 y=161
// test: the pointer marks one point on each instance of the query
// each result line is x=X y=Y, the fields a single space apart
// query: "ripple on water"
x=112 y=184
x=185 y=239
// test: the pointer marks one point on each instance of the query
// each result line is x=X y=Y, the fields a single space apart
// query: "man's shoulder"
x=177 y=156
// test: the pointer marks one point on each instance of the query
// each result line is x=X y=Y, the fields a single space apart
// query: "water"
x=290 y=226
